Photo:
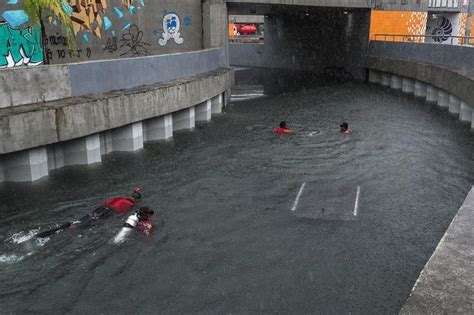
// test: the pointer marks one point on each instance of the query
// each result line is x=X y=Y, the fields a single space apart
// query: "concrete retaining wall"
x=38 y=138
x=446 y=284
x=450 y=85
x=27 y=85
x=36 y=125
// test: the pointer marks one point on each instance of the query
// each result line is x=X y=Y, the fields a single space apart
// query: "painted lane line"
x=298 y=197
x=356 y=205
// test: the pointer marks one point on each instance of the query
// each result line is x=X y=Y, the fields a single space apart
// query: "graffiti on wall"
x=171 y=27
x=92 y=15
x=132 y=42
x=20 y=47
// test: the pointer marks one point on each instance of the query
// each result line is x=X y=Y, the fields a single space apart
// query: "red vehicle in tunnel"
x=246 y=29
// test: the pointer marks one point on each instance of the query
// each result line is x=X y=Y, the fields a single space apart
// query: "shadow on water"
x=231 y=242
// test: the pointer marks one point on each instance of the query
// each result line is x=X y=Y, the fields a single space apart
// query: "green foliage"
x=36 y=8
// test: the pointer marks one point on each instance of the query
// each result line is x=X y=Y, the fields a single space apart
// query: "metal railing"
x=433 y=39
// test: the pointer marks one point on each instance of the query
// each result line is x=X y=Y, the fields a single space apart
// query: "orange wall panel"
x=397 y=22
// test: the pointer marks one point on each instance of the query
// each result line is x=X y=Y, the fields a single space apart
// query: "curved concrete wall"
x=435 y=72
x=27 y=85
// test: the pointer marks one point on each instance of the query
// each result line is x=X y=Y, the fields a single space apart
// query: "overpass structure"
x=134 y=77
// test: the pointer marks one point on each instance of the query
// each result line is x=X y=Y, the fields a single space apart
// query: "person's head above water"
x=344 y=126
x=283 y=125
x=144 y=213
x=137 y=193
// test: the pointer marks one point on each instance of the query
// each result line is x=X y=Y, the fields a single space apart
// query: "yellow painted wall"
x=399 y=23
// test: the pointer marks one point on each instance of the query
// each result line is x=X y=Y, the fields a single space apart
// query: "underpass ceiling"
x=265 y=6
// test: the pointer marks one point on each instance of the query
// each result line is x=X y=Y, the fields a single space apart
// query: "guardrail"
x=435 y=39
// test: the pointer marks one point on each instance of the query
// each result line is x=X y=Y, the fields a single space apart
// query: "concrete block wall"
x=29 y=85
x=33 y=164
x=432 y=94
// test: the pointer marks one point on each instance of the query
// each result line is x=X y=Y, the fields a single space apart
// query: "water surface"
x=227 y=239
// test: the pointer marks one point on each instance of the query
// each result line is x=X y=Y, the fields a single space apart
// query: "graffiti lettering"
x=62 y=53
x=132 y=43
x=56 y=40
x=20 y=47
x=111 y=45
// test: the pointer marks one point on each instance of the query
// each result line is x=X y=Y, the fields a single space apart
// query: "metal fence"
x=433 y=39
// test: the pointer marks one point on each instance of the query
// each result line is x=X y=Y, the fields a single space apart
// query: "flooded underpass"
x=250 y=221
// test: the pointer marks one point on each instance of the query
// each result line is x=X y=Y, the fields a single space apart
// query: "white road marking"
x=356 y=205
x=295 y=204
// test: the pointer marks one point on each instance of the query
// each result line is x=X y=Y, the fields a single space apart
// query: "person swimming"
x=140 y=220
x=106 y=209
x=345 y=128
x=283 y=128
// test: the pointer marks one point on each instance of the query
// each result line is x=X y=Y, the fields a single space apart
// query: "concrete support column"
x=374 y=76
x=2 y=173
x=396 y=82
x=217 y=103
x=432 y=94
x=408 y=86
x=55 y=156
x=443 y=99
x=26 y=166
x=183 y=119
x=106 y=143
x=128 y=138
x=420 y=89
x=454 y=105
x=159 y=128
x=465 y=113
x=203 y=111
x=385 y=79
x=82 y=151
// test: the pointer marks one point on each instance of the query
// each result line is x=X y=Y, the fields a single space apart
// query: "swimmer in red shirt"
x=104 y=210
x=345 y=128
x=283 y=128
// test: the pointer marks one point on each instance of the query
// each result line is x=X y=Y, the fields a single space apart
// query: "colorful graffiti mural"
x=171 y=26
x=20 y=47
x=91 y=15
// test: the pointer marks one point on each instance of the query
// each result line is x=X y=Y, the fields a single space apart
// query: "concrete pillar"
x=26 y=166
x=385 y=79
x=465 y=113
x=106 y=144
x=214 y=23
x=432 y=94
x=203 y=111
x=159 y=128
x=217 y=104
x=183 y=119
x=454 y=105
x=443 y=99
x=128 y=138
x=420 y=89
x=2 y=174
x=55 y=156
x=408 y=86
x=396 y=82
x=82 y=151
x=374 y=76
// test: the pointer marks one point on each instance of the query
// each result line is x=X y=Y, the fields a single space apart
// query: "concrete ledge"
x=451 y=81
x=27 y=85
x=29 y=126
x=30 y=85
x=446 y=284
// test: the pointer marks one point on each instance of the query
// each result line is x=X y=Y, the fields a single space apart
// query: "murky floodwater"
x=227 y=239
